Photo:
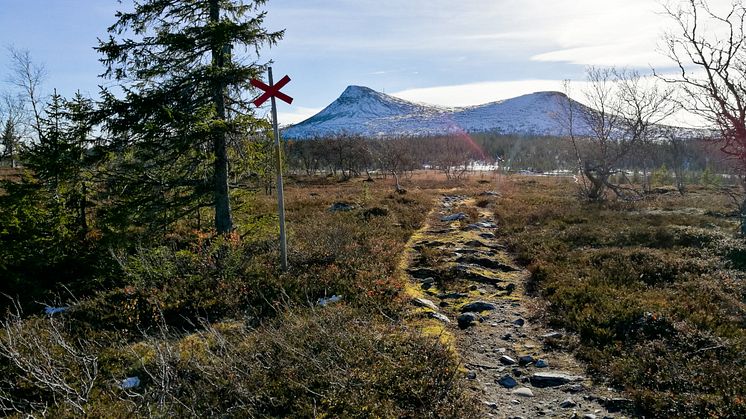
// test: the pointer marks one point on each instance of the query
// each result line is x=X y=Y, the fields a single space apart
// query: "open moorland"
x=391 y=309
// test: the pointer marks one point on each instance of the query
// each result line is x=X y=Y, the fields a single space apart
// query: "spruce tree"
x=61 y=159
x=181 y=103
x=10 y=141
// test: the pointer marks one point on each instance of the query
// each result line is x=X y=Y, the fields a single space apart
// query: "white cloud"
x=296 y=114
x=584 y=32
x=481 y=93
x=621 y=55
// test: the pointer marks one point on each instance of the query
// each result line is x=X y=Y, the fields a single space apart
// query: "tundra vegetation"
x=138 y=250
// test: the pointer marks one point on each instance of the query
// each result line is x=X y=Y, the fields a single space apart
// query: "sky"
x=442 y=52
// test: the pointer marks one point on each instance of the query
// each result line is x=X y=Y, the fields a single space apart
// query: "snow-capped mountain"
x=363 y=111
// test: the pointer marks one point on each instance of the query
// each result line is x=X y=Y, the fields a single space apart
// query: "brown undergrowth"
x=211 y=327
x=653 y=289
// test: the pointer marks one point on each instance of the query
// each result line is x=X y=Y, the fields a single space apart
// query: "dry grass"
x=284 y=355
x=654 y=289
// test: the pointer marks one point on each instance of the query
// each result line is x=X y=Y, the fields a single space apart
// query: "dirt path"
x=463 y=280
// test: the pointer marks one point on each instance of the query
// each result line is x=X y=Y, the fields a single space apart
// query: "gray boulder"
x=478 y=306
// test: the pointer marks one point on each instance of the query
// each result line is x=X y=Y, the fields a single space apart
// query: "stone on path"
x=525 y=360
x=568 y=403
x=551 y=379
x=478 y=306
x=523 y=392
x=541 y=363
x=507 y=381
x=506 y=360
x=486 y=263
x=467 y=319
x=453 y=217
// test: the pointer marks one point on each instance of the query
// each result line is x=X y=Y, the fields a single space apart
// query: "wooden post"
x=280 y=191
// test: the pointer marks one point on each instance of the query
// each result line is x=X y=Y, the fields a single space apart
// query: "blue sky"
x=445 y=52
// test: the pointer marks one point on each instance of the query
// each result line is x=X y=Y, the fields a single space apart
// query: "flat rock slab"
x=552 y=379
x=478 y=306
x=466 y=272
x=453 y=217
x=487 y=263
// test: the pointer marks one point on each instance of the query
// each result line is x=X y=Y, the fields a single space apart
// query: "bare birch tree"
x=707 y=47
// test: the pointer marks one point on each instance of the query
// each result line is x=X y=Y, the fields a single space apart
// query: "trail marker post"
x=271 y=92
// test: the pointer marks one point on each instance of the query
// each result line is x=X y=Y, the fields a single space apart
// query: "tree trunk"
x=742 y=217
x=83 y=209
x=223 y=219
x=596 y=191
x=396 y=177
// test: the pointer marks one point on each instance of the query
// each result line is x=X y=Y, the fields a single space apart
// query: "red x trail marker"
x=270 y=91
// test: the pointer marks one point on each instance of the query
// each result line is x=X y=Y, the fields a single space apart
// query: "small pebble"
x=506 y=360
x=568 y=403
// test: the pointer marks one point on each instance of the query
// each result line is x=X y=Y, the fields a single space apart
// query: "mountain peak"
x=352 y=92
x=363 y=111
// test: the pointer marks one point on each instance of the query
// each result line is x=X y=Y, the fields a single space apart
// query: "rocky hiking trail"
x=473 y=294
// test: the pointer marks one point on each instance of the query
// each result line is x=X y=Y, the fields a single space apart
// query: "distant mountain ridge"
x=366 y=112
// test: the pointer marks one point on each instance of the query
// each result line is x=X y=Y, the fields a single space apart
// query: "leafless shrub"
x=47 y=359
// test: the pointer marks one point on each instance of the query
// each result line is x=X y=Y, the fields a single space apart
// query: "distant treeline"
x=348 y=156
